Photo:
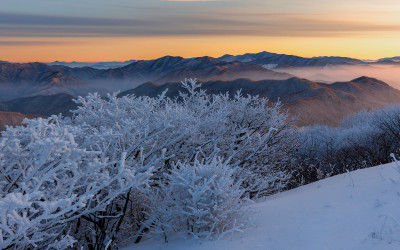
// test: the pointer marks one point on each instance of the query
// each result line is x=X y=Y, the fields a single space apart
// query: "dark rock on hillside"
x=12 y=119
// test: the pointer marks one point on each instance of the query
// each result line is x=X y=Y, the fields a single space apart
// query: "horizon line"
x=170 y=55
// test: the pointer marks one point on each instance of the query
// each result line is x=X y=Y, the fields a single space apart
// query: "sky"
x=119 y=30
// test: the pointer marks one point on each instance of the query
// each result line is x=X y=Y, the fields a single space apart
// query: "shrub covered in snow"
x=363 y=140
x=249 y=132
x=200 y=200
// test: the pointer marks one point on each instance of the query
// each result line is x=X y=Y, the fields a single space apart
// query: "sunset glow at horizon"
x=100 y=30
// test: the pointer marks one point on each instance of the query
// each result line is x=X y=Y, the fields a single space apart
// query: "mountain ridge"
x=30 y=79
x=274 y=60
x=312 y=102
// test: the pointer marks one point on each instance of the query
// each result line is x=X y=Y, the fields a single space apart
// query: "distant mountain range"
x=280 y=60
x=311 y=102
x=266 y=59
x=30 y=79
x=75 y=78
x=46 y=89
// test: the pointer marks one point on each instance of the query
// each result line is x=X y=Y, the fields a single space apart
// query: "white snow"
x=270 y=66
x=357 y=210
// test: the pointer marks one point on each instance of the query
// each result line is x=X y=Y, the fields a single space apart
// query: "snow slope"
x=358 y=210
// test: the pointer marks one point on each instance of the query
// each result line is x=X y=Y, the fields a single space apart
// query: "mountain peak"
x=369 y=80
x=168 y=58
x=208 y=58
x=165 y=60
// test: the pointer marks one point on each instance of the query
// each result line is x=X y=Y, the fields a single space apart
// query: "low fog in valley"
x=329 y=74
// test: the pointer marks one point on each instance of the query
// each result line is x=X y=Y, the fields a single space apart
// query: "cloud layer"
x=245 y=23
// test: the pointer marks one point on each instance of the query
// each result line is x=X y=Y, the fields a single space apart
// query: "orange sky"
x=89 y=30
x=122 y=49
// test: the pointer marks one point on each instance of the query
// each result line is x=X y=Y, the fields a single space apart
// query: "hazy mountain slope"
x=389 y=60
x=207 y=68
x=41 y=105
x=312 y=102
x=17 y=80
x=248 y=57
x=339 y=60
x=341 y=99
x=83 y=73
x=168 y=69
x=273 y=60
x=98 y=65
x=272 y=89
x=283 y=61
x=12 y=119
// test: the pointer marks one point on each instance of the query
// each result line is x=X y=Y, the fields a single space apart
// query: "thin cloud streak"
x=268 y=25
x=194 y=0
x=37 y=43
x=48 y=20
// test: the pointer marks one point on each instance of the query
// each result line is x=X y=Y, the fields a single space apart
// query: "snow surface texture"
x=356 y=210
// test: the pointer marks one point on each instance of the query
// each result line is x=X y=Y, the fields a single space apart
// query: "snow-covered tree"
x=48 y=179
x=81 y=178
